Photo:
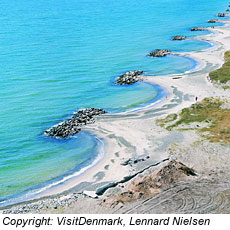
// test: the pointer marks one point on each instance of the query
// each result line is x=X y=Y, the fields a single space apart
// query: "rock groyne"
x=159 y=53
x=129 y=78
x=73 y=125
x=213 y=20
x=178 y=38
x=198 y=29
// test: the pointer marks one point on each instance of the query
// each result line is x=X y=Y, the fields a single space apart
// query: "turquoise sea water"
x=57 y=56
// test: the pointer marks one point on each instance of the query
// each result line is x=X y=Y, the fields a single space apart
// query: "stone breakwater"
x=129 y=78
x=199 y=29
x=159 y=53
x=221 y=15
x=178 y=38
x=213 y=20
x=73 y=125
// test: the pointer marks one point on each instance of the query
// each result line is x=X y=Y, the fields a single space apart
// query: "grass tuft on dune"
x=222 y=75
x=210 y=117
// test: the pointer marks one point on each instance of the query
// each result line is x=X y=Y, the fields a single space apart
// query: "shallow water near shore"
x=57 y=57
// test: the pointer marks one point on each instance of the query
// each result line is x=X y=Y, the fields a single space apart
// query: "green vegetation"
x=222 y=75
x=215 y=120
x=169 y=118
x=225 y=87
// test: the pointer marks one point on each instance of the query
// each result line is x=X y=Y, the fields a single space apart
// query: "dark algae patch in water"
x=222 y=75
x=210 y=117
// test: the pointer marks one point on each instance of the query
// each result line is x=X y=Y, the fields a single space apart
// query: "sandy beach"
x=134 y=146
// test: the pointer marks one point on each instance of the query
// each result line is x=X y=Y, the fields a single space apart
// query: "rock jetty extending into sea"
x=159 y=53
x=179 y=38
x=223 y=15
x=198 y=29
x=129 y=78
x=213 y=20
x=73 y=125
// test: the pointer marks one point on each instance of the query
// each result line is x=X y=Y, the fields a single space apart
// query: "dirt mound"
x=152 y=184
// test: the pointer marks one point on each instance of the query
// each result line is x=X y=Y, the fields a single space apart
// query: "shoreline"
x=37 y=193
x=113 y=131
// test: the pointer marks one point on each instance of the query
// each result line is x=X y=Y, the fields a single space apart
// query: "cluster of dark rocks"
x=129 y=78
x=198 y=29
x=42 y=205
x=221 y=15
x=134 y=161
x=213 y=21
x=179 y=38
x=228 y=10
x=73 y=125
x=159 y=53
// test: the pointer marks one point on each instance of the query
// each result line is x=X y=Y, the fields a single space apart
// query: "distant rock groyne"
x=222 y=15
x=129 y=78
x=159 y=53
x=213 y=20
x=198 y=29
x=179 y=38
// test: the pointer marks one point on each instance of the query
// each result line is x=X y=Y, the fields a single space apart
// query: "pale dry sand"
x=136 y=135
